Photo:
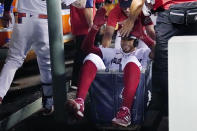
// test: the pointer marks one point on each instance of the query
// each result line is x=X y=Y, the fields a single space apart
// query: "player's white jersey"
x=115 y=58
x=142 y=55
x=32 y=6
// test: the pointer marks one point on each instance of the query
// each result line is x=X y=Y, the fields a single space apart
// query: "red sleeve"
x=148 y=41
x=88 y=44
x=100 y=1
x=138 y=31
x=114 y=16
x=146 y=20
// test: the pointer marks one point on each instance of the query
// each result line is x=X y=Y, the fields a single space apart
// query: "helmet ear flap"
x=135 y=43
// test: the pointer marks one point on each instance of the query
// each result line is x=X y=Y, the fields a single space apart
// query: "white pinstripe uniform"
x=31 y=33
x=113 y=59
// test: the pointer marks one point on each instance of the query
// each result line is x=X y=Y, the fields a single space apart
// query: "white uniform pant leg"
x=6 y=77
x=41 y=47
x=46 y=79
x=96 y=60
x=18 y=49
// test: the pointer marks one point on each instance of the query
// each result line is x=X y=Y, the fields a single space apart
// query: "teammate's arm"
x=6 y=14
x=88 y=13
x=135 y=9
x=150 y=37
x=112 y=20
x=149 y=26
x=79 y=3
x=148 y=41
x=150 y=31
x=107 y=37
x=7 y=5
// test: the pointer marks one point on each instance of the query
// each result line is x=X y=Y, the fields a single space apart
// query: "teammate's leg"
x=17 y=52
x=46 y=79
x=41 y=47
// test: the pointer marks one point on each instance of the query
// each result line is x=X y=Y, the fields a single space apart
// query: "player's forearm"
x=107 y=38
x=148 y=41
x=7 y=5
x=88 y=13
x=88 y=43
x=106 y=41
x=150 y=31
x=135 y=9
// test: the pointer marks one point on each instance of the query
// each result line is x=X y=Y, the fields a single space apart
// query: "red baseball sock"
x=88 y=73
x=131 y=81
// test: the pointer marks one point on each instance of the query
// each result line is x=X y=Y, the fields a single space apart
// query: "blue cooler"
x=106 y=96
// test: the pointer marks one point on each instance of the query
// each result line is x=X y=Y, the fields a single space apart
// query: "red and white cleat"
x=123 y=117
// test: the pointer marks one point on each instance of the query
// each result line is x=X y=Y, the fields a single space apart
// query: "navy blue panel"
x=105 y=96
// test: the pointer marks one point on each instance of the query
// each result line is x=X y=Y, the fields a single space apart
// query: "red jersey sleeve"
x=148 y=41
x=138 y=31
x=88 y=43
x=99 y=1
x=114 y=16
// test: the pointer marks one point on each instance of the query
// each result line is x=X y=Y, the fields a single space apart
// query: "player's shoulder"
x=143 y=50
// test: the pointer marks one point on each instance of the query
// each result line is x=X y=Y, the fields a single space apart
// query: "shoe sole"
x=74 y=87
x=48 y=114
x=120 y=124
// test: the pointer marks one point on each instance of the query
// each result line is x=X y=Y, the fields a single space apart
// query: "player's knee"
x=131 y=59
x=96 y=60
x=14 y=61
x=45 y=76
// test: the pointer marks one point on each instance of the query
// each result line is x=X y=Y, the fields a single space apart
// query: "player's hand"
x=152 y=53
x=7 y=19
x=127 y=27
x=100 y=17
x=79 y=3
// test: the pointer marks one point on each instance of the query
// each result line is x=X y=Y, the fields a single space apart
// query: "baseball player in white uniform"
x=31 y=32
x=128 y=58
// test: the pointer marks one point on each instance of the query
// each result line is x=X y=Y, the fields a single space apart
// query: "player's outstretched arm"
x=88 y=43
x=107 y=37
